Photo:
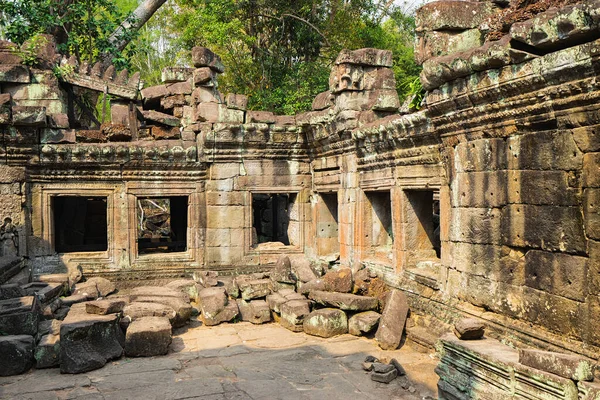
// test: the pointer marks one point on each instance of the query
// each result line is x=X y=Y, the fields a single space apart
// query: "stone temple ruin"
x=482 y=205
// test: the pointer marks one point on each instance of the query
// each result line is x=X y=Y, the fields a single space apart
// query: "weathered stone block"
x=326 y=322
x=260 y=117
x=148 y=336
x=344 y=301
x=591 y=170
x=17 y=354
x=137 y=310
x=158 y=291
x=557 y=273
x=476 y=225
x=480 y=189
x=47 y=351
x=19 y=315
x=368 y=57
x=88 y=342
x=384 y=377
x=203 y=57
x=212 y=301
x=5 y=108
x=275 y=300
x=237 y=101
x=188 y=287
x=176 y=74
x=339 y=280
x=546 y=227
x=439 y=43
x=293 y=313
x=183 y=309
x=322 y=101
x=255 y=311
x=452 y=15
x=103 y=307
x=541 y=188
x=206 y=95
x=204 y=76
x=547 y=150
x=29 y=115
x=567 y=366
x=363 y=322
x=254 y=288
x=469 y=329
x=393 y=319
x=14 y=73
x=230 y=311
x=283 y=271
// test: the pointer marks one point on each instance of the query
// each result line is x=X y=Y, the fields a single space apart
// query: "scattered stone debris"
x=382 y=371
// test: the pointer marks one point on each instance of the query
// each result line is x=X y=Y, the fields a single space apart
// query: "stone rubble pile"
x=60 y=321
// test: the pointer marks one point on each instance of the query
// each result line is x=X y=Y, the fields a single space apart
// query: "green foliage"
x=81 y=27
x=415 y=91
x=28 y=52
x=60 y=71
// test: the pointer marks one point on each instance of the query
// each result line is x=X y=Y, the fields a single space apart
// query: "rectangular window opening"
x=327 y=224
x=381 y=232
x=162 y=224
x=80 y=224
x=271 y=216
x=425 y=207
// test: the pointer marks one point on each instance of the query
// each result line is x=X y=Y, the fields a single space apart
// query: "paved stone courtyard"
x=238 y=361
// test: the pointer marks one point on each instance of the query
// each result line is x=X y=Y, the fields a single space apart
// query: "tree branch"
x=299 y=19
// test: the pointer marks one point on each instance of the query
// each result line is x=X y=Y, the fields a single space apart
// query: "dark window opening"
x=327 y=224
x=425 y=205
x=80 y=224
x=271 y=217
x=162 y=224
x=382 y=234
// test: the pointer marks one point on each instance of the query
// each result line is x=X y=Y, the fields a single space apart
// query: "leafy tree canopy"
x=279 y=52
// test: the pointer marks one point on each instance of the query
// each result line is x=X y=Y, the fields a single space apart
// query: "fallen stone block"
x=148 y=336
x=344 y=301
x=187 y=286
x=47 y=352
x=183 y=309
x=393 y=319
x=283 y=271
x=275 y=301
x=315 y=284
x=212 y=301
x=254 y=288
x=105 y=287
x=326 y=322
x=230 y=311
x=398 y=366
x=49 y=327
x=103 y=307
x=568 y=366
x=73 y=299
x=10 y=291
x=293 y=313
x=302 y=270
x=206 y=278
x=17 y=354
x=255 y=311
x=382 y=368
x=137 y=310
x=384 y=377
x=88 y=289
x=339 y=280
x=362 y=323
x=88 y=342
x=45 y=292
x=203 y=57
x=469 y=329
x=19 y=316
x=157 y=291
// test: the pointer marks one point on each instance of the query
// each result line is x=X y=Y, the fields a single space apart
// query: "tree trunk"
x=140 y=16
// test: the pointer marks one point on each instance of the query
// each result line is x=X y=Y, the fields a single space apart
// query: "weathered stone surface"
x=157 y=291
x=161 y=118
x=315 y=284
x=254 y=288
x=363 y=322
x=136 y=310
x=293 y=313
x=282 y=271
x=469 y=329
x=204 y=76
x=17 y=354
x=255 y=311
x=186 y=286
x=326 y=322
x=176 y=74
x=29 y=115
x=368 y=57
x=183 y=309
x=148 y=336
x=11 y=290
x=73 y=299
x=275 y=300
x=212 y=301
x=87 y=342
x=47 y=351
x=237 y=101
x=14 y=73
x=19 y=316
x=384 y=377
x=302 y=270
x=230 y=311
x=260 y=117
x=5 y=108
x=87 y=289
x=203 y=57
x=103 y=307
x=452 y=15
x=344 y=301
x=436 y=43
x=393 y=319
x=339 y=280
x=322 y=101
x=567 y=366
x=206 y=278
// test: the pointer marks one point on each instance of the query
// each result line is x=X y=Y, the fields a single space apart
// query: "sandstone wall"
x=506 y=144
